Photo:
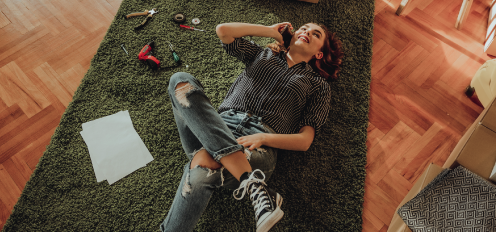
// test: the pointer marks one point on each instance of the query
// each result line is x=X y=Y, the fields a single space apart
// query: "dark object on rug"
x=146 y=55
x=456 y=200
x=322 y=188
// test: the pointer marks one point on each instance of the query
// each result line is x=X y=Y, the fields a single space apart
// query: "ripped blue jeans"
x=201 y=127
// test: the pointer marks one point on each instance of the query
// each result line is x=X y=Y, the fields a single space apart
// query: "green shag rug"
x=323 y=188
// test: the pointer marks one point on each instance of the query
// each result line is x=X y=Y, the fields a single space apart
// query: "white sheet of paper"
x=116 y=150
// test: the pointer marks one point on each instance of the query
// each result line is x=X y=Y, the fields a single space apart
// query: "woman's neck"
x=293 y=58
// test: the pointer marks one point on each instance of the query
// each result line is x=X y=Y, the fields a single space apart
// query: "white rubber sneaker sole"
x=268 y=222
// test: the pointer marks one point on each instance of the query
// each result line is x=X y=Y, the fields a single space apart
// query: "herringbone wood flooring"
x=418 y=112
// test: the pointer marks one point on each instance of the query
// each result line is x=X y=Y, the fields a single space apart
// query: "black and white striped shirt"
x=286 y=98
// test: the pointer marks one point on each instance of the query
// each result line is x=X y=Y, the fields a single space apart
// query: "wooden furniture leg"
x=462 y=15
x=402 y=6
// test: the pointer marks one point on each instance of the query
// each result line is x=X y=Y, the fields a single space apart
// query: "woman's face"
x=310 y=37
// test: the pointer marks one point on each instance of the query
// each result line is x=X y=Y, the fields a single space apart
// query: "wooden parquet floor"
x=418 y=112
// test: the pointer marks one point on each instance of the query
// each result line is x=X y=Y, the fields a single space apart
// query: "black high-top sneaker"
x=266 y=202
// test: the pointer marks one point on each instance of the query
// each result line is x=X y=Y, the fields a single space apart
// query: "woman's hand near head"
x=277 y=31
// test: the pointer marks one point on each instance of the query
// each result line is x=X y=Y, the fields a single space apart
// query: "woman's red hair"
x=330 y=64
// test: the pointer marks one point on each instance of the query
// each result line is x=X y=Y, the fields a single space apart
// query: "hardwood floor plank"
x=414 y=103
x=388 y=54
x=14 y=46
x=104 y=9
x=380 y=5
x=80 y=70
x=9 y=115
x=413 y=33
x=482 y=6
x=12 y=93
x=18 y=170
x=405 y=103
x=371 y=222
x=12 y=33
x=392 y=6
x=387 y=96
x=31 y=56
x=383 y=156
x=8 y=188
x=13 y=124
x=374 y=135
x=54 y=25
x=49 y=20
x=395 y=185
x=47 y=92
x=67 y=39
x=4 y=214
x=429 y=65
x=456 y=111
x=422 y=161
x=397 y=69
x=71 y=79
x=437 y=6
x=50 y=78
x=18 y=76
x=15 y=140
x=378 y=49
x=382 y=114
x=16 y=15
x=71 y=59
x=56 y=13
x=378 y=201
x=388 y=142
x=32 y=153
x=474 y=28
x=4 y=21
x=27 y=15
x=417 y=148
x=115 y=4
x=440 y=143
x=421 y=4
x=457 y=96
x=85 y=19
x=462 y=74
x=393 y=78
x=89 y=47
x=451 y=55
x=3 y=106
x=392 y=39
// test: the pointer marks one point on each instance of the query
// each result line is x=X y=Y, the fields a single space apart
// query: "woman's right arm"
x=227 y=32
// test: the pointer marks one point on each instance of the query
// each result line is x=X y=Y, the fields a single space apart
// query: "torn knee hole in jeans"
x=187 y=184
x=204 y=166
x=182 y=89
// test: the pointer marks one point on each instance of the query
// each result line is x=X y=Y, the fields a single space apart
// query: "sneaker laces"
x=258 y=194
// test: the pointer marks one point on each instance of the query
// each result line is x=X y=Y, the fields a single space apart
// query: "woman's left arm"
x=295 y=142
